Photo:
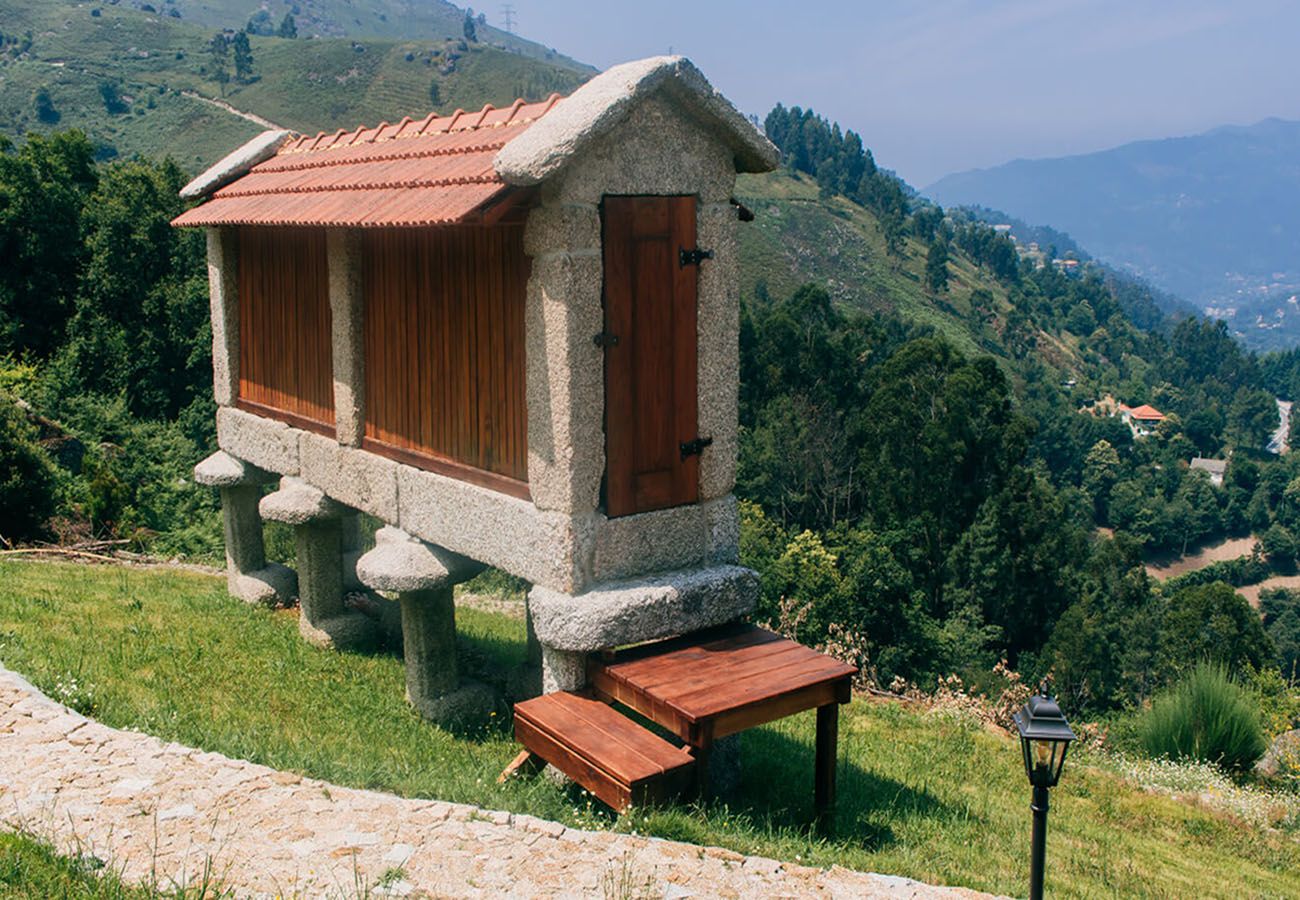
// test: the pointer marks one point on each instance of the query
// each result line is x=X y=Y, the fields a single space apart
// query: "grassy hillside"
x=924 y=792
x=387 y=19
x=162 y=70
x=797 y=237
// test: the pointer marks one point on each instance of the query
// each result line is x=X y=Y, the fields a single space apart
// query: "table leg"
x=828 y=720
x=700 y=746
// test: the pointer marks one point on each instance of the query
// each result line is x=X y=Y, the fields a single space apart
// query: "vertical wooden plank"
x=620 y=401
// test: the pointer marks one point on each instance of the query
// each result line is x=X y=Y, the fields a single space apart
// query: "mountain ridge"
x=1211 y=217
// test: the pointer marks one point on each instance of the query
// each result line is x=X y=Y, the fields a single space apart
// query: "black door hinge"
x=695 y=447
x=692 y=257
x=605 y=339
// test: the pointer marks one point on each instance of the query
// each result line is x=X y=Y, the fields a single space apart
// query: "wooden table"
x=714 y=683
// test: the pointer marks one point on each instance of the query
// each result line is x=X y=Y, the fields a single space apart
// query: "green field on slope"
x=155 y=61
x=924 y=794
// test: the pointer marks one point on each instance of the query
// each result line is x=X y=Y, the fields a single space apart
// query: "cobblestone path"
x=162 y=812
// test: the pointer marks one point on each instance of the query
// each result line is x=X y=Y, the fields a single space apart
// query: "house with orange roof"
x=1142 y=420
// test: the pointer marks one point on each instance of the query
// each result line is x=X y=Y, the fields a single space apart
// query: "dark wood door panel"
x=650 y=378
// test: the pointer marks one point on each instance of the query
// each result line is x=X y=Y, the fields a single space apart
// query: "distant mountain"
x=1213 y=218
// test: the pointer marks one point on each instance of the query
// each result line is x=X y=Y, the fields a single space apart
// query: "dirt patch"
x=1252 y=591
x=1232 y=548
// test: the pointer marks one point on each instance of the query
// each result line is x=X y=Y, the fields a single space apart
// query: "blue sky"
x=936 y=86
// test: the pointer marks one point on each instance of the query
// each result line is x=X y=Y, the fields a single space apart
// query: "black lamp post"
x=1044 y=738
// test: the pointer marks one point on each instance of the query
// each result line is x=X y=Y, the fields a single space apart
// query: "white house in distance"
x=1215 y=468
x=1142 y=420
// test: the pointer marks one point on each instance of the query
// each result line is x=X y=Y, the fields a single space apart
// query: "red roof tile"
x=434 y=171
x=1146 y=412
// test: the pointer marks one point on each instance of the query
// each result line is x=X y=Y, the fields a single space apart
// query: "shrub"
x=27 y=476
x=1206 y=716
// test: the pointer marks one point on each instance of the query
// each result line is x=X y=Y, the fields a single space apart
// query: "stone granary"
x=511 y=336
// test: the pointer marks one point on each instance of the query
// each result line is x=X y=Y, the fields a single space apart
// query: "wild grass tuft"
x=1208 y=717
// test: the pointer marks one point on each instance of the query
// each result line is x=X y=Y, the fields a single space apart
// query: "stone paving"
x=161 y=813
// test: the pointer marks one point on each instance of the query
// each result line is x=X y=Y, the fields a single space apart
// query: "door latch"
x=695 y=447
x=605 y=339
x=692 y=257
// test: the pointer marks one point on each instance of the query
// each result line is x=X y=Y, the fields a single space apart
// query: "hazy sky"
x=936 y=86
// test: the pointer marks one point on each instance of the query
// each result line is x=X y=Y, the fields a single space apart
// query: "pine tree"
x=219 y=48
x=243 y=57
x=288 y=27
x=936 y=267
x=471 y=33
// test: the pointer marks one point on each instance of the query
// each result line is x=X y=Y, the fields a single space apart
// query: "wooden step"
x=601 y=749
x=712 y=683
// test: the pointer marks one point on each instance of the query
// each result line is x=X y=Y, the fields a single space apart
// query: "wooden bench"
x=604 y=751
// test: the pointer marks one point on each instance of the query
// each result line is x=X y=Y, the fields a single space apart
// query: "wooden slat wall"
x=286 y=365
x=444 y=344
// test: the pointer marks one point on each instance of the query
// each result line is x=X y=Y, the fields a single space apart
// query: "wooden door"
x=650 y=354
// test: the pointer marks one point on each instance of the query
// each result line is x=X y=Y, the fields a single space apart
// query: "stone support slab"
x=249 y=576
x=325 y=619
x=718 y=340
x=563 y=670
x=565 y=379
x=643 y=609
x=263 y=442
x=343 y=250
x=423 y=577
x=223 y=288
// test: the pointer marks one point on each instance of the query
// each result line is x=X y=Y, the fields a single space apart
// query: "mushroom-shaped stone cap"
x=297 y=503
x=223 y=470
x=400 y=562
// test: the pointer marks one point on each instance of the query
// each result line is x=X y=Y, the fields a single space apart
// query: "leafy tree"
x=1101 y=650
x=936 y=267
x=219 y=51
x=1279 y=545
x=1101 y=469
x=260 y=23
x=27 y=476
x=1210 y=622
x=141 y=323
x=1252 y=418
x=937 y=437
x=1082 y=320
x=468 y=28
x=243 y=53
x=1281 y=609
x=112 y=97
x=1012 y=562
x=43 y=188
x=44 y=105
x=288 y=27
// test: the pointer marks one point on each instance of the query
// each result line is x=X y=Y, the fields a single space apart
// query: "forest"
x=946 y=510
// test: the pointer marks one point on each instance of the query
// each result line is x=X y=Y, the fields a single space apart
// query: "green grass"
x=31 y=868
x=306 y=85
x=922 y=795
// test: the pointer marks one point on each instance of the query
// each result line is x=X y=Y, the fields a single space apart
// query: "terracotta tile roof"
x=1146 y=412
x=433 y=171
